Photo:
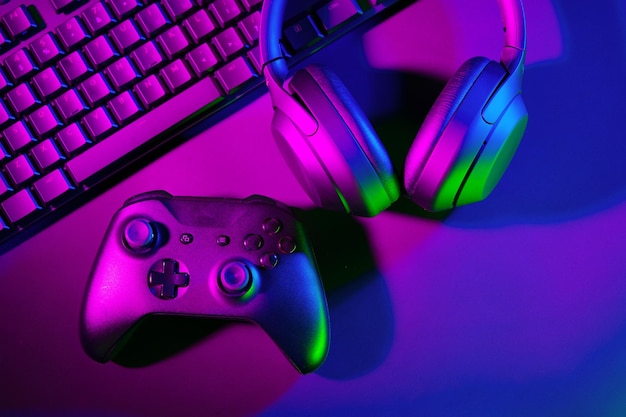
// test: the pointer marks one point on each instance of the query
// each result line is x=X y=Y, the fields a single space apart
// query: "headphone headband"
x=275 y=67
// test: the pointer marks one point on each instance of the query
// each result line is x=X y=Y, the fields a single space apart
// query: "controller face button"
x=253 y=242
x=164 y=281
x=269 y=260
x=287 y=244
x=235 y=279
x=139 y=235
x=223 y=240
x=186 y=238
x=272 y=226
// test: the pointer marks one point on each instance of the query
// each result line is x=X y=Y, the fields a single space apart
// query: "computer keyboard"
x=92 y=90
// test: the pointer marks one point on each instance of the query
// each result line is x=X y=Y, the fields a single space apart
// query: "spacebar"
x=153 y=123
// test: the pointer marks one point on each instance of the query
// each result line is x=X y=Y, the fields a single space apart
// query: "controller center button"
x=287 y=244
x=235 y=278
x=139 y=234
x=186 y=238
x=223 y=240
x=269 y=260
x=253 y=242
x=165 y=281
x=272 y=226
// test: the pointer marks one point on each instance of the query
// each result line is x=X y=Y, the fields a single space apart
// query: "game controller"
x=209 y=257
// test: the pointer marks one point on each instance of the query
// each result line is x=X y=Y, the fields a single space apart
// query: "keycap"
x=19 y=23
x=234 y=75
x=19 y=205
x=177 y=9
x=100 y=52
x=121 y=73
x=147 y=57
x=44 y=121
x=202 y=60
x=74 y=68
x=151 y=20
x=228 y=43
x=249 y=26
x=95 y=90
x=126 y=36
x=52 y=186
x=173 y=42
x=48 y=83
x=21 y=99
x=123 y=107
x=97 y=18
x=176 y=76
x=98 y=123
x=124 y=8
x=225 y=11
x=254 y=56
x=69 y=105
x=19 y=65
x=251 y=4
x=45 y=154
x=150 y=91
x=199 y=26
x=336 y=13
x=18 y=136
x=71 y=33
x=45 y=49
x=107 y=152
x=72 y=139
x=20 y=169
x=301 y=34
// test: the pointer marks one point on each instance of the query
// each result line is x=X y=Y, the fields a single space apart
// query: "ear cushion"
x=346 y=141
x=451 y=135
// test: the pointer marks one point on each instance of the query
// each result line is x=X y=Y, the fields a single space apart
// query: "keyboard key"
x=21 y=99
x=19 y=205
x=234 y=75
x=74 y=68
x=5 y=116
x=20 y=170
x=72 y=139
x=66 y=6
x=147 y=57
x=97 y=18
x=45 y=49
x=177 y=9
x=71 y=33
x=44 y=121
x=121 y=73
x=19 y=65
x=126 y=36
x=176 y=76
x=199 y=26
x=173 y=42
x=95 y=90
x=202 y=60
x=100 y=52
x=48 y=83
x=336 y=13
x=69 y=106
x=46 y=154
x=124 y=8
x=151 y=20
x=98 y=124
x=302 y=33
x=84 y=166
x=225 y=11
x=19 y=23
x=18 y=136
x=228 y=43
x=255 y=57
x=251 y=4
x=123 y=107
x=52 y=186
x=150 y=91
x=249 y=26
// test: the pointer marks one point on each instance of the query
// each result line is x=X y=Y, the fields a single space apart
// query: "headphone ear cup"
x=440 y=168
x=344 y=147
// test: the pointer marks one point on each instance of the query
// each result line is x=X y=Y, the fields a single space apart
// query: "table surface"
x=515 y=306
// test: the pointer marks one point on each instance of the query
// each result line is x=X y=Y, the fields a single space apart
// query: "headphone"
x=458 y=156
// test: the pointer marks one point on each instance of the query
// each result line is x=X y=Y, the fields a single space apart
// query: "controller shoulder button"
x=150 y=195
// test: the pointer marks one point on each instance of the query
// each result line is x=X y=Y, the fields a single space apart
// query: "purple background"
x=514 y=306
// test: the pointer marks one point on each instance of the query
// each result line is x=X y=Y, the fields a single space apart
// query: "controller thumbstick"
x=235 y=278
x=140 y=235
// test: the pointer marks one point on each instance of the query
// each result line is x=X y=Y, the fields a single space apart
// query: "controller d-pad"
x=164 y=281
